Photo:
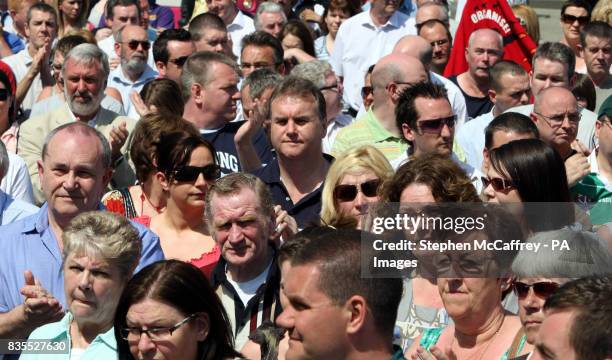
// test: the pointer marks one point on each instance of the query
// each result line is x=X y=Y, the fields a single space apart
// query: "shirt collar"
x=377 y=132
x=147 y=75
x=63 y=326
x=396 y=20
x=91 y=122
x=343 y=119
x=237 y=23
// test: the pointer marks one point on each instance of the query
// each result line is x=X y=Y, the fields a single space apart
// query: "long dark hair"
x=174 y=150
x=184 y=287
x=538 y=174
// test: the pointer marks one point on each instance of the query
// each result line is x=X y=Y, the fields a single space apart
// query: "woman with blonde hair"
x=529 y=21
x=602 y=11
x=72 y=15
x=352 y=182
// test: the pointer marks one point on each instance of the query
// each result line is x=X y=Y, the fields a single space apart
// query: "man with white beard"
x=84 y=73
x=132 y=46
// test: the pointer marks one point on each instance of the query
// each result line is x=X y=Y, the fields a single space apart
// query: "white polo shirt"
x=125 y=86
x=241 y=26
x=20 y=63
x=359 y=44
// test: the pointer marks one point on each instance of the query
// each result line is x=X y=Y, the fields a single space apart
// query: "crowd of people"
x=204 y=182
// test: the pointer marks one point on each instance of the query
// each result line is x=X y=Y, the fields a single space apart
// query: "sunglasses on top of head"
x=188 y=173
x=349 y=192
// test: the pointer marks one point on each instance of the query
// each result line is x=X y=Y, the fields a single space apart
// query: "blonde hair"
x=532 y=24
x=602 y=12
x=104 y=235
x=81 y=22
x=360 y=158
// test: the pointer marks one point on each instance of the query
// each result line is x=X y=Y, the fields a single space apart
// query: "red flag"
x=496 y=15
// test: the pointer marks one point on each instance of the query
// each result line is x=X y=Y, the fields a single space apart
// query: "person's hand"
x=141 y=108
x=578 y=146
x=576 y=167
x=118 y=137
x=434 y=353
x=39 y=306
x=41 y=58
x=310 y=15
x=103 y=33
x=253 y=123
x=114 y=62
x=286 y=226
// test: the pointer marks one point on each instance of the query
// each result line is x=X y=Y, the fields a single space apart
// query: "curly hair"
x=446 y=180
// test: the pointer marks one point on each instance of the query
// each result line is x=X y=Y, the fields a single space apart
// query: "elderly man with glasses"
x=132 y=46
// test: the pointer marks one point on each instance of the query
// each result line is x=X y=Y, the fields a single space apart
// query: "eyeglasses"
x=570 y=19
x=180 y=61
x=557 y=120
x=155 y=334
x=541 y=289
x=187 y=173
x=133 y=44
x=256 y=66
x=345 y=193
x=435 y=126
x=498 y=184
x=333 y=87
x=4 y=94
x=365 y=91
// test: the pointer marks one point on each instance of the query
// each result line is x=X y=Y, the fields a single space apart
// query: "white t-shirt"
x=246 y=290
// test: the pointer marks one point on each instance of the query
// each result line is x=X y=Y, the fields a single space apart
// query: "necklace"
x=489 y=342
x=144 y=198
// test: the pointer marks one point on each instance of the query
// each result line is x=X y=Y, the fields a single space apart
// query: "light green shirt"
x=367 y=130
x=104 y=346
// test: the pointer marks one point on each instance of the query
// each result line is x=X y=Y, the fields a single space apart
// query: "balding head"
x=556 y=115
x=485 y=48
x=553 y=94
x=486 y=35
x=431 y=11
x=414 y=46
x=393 y=73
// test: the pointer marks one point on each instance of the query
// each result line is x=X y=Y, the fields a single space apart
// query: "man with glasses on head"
x=557 y=115
x=209 y=84
x=426 y=121
x=170 y=51
x=261 y=50
x=392 y=75
x=132 y=46
x=575 y=14
x=595 y=189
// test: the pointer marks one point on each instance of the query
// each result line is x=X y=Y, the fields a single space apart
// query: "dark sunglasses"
x=435 y=126
x=541 y=289
x=349 y=192
x=133 y=44
x=498 y=184
x=365 y=91
x=4 y=94
x=180 y=61
x=211 y=172
x=570 y=19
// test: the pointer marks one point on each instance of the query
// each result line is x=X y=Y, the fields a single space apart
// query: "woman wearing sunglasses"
x=352 y=182
x=186 y=167
x=169 y=311
x=530 y=171
x=539 y=274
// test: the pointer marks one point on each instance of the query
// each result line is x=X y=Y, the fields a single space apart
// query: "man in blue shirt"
x=74 y=171
x=11 y=209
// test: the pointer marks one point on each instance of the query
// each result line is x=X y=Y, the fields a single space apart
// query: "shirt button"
x=287 y=199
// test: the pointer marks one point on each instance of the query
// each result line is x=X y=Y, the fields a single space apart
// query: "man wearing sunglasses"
x=170 y=51
x=392 y=75
x=575 y=14
x=595 y=189
x=132 y=46
x=427 y=123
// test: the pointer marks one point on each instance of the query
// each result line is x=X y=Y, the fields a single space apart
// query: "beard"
x=135 y=65
x=88 y=107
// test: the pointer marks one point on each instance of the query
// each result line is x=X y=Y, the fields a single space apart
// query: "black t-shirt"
x=476 y=106
x=227 y=155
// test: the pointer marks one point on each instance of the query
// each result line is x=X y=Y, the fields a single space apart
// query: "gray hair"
x=587 y=255
x=106 y=236
x=83 y=129
x=197 y=69
x=88 y=54
x=316 y=71
x=260 y=80
x=443 y=10
x=268 y=7
x=557 y=52
x=4 y=160
x=233 y=184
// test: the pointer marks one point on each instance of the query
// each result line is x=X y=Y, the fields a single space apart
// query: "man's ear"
x=407 y=132
x=161 y=68
x=107 y=176
x=534 y=118
x=117 y=49
x=197 y=93
x=27 y=30
x=492 y=95
x=598 y=125
x=356 y=309
x=41 y=170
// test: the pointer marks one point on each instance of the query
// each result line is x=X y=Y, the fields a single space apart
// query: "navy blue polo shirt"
x=225 y=147
x=307 y=211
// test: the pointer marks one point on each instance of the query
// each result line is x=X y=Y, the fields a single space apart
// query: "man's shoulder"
x=523 y=109
x=16 y=229
x=46 y=121
x=355 y=20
